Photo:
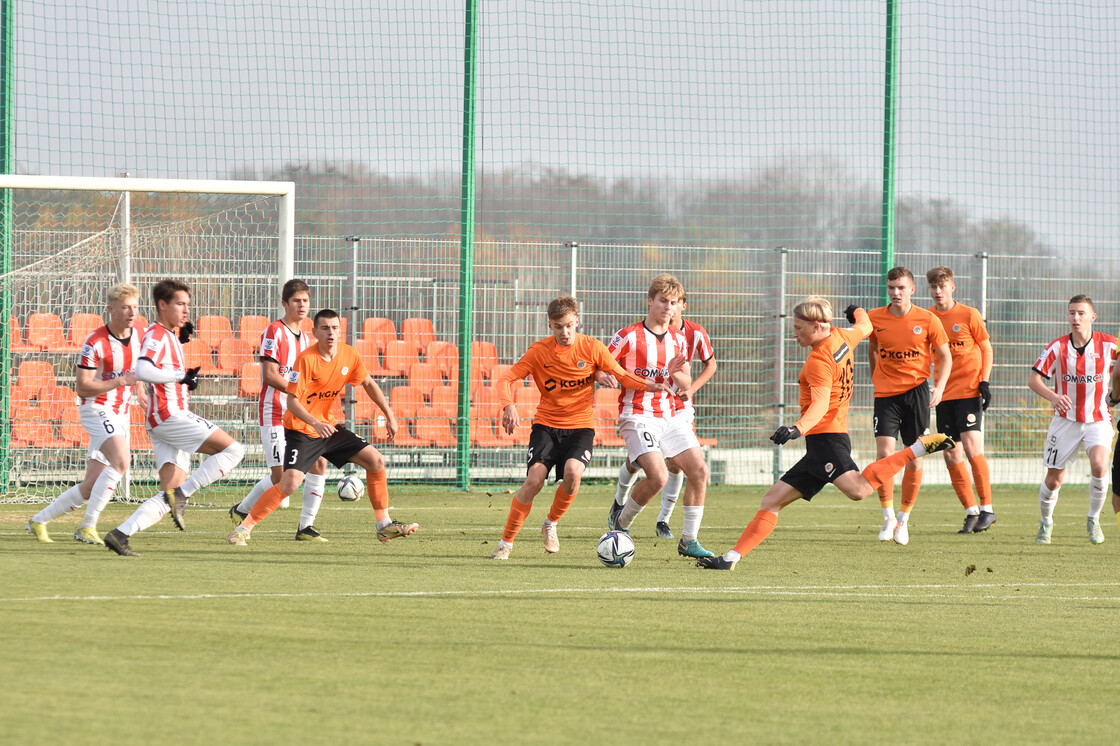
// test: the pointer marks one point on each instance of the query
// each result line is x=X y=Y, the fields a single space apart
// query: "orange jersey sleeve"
x=965 y=331
x=831 y=364
x=905 y=344
x=317 y=384
x=565 y=378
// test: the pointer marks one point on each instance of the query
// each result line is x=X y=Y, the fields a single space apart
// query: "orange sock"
x=982 y=478
x=881 y=473
x=561 y=503
x=267 y=503
x=886 y=493
x=518 y=512
x=911 y=483
x=757 y=530
x=377 y=487
x=958 y=477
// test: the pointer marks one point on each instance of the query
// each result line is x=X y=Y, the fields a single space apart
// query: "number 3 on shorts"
x=295 y=455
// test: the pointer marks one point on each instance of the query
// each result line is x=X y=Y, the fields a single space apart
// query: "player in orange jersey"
x=826 y=391
x=319 y=377
x=899 y=349
x=563 y=367
x=967 y=396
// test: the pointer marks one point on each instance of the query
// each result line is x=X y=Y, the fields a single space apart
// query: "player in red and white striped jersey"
x=104 y=380
x=655 y=350
x=281 y=343
x=176 y=432
x=1081 y=363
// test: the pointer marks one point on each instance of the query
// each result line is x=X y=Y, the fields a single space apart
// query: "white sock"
x=669 y=494
x=918 y=449
x=629 y=512
x=148 y=514
x=383 y=524
x=693 y=514
x=626 y=480
x=504 y=543
x=250 y=500
x=60 y=506
x=313 y=487
x=548 y=522
x=1096 y=496
x=972 y=511
x=1047 y=498
x=888 y=513
x=986 y=509
x=100 y=495
x=903 y=517
x=732 y=556
x=214 y=468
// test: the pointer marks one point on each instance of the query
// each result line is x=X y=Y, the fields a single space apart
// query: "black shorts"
x=302 y=451
x=1116 y=468
x=553 y=446
x=906 y=414
x=827 y=456
x=957 y=416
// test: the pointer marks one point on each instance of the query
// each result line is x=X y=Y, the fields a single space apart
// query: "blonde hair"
x=560 y=307
x=123 y=292
x=814 y=308
x=667 y=285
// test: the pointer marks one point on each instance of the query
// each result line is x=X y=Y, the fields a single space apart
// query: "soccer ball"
x=616 y=549
x=350 y=488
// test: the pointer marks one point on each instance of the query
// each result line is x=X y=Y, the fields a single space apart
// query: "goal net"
x=68 y=241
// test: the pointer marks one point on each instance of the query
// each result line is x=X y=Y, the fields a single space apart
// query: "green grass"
x=821 y=635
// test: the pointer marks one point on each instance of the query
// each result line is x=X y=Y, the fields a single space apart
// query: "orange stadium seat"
x=212 y=330
x=196 y=353
x=445 y=356
x=445 y=399
x=434 y=428
x=140 y=324
x=306 y=326
x=70 y=428
x=418 y=332
x=233 y=355
x=364 y=408
x=35 y=434
x=137 y=430
x=371 y=356
x=35 y=375
x=484 y=427
x=500 y=370
x=484 y=356
x=405 y=401
x=424 y=377
x=381 y=330
x=81 y=326
x=250 y=328
x=15 y=333
x=249 y=382
x=54 y=399
x=44 y=331
x=606 y=415
x=526 y=399
x=399 y=357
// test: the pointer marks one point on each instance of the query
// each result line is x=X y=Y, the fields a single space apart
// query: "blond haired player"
x=281 y=343
x=960 y=415
x=175 y=431
x=1081 y=364
x=105 y=380
x=826 y=391
x=563 y=367
x=321 y=374
x=904 y=341
x=648 y=421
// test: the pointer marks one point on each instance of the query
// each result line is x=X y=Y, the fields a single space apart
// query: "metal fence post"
x=779 y=345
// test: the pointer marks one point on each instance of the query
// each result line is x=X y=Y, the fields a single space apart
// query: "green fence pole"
x=890 y=91
x=466 y=247
x=7 y=166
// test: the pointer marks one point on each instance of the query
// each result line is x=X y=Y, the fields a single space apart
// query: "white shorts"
x=101 y=424
x=643 y=434
x=273 y=442
x=178 y=438
x=1064 y=437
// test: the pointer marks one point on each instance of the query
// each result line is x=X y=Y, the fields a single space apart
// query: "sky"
x=1008 y=108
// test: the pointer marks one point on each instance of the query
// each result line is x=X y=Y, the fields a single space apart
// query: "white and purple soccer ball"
x=616 y=549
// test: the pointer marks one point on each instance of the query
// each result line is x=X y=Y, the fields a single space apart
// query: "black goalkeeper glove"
x=985 y=396
x=785 y=434
x=190 y=379
x=850 y=313
x=185 y=332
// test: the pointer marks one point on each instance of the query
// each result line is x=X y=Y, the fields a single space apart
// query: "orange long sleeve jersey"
x=565 y=378
x=831 y=366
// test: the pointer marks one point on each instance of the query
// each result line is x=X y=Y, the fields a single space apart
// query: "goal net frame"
x=124 y=186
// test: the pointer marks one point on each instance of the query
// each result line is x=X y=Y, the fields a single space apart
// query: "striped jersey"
x=111 y=357
x=646 y=355
x=282 y=346
x=1081 y=374
x=698 y=347
x=162 y=347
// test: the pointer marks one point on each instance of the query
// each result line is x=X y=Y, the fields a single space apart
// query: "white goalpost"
x=70 y=240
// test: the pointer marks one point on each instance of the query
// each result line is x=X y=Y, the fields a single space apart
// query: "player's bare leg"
x=224 y=453
x=100 y=483
x=71 y=499
x=519 y=508
x=696 y=470
x=777 y=497
x=656 y=472
x=377 y=488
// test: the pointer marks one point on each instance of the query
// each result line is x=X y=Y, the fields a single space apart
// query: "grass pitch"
x=821 y=635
